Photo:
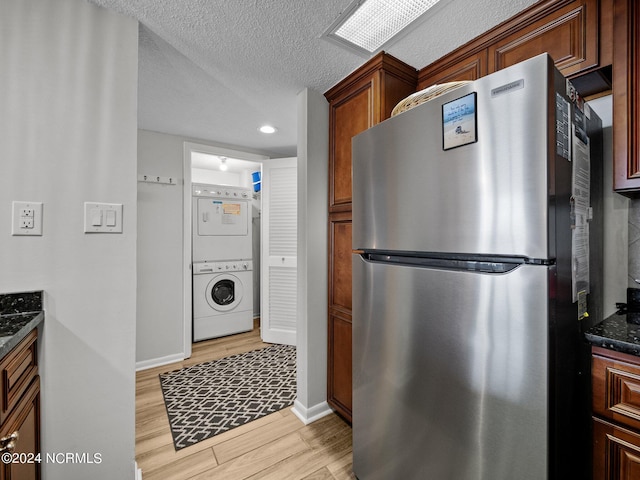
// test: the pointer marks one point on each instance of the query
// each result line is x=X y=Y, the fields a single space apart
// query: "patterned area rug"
x=213 y=397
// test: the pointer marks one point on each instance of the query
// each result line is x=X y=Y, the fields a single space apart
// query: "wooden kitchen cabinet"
x=20 y=410
x=574 y=32
x=339 y=335
x=467 y=68
x=360 y=101
x=569 y=34
x=616 y=415
x=616 y=452
x=24 y=424
x=626 y=98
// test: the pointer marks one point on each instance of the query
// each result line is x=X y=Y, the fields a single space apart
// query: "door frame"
x=187 y=287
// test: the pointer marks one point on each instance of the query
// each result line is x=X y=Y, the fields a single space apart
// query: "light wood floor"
x=278 y=446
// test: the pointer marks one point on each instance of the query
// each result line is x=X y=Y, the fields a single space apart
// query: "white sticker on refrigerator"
x=580 y=212
x=563 y=124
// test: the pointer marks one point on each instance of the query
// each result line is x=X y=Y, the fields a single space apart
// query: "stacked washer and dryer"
x=222 y=264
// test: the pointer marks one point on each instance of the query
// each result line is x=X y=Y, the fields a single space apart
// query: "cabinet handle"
x=8 y=447
x=12 y=438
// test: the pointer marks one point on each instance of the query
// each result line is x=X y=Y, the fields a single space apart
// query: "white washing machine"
x=222 y=298
x=221 y=223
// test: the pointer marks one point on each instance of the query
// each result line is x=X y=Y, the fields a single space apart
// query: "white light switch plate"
x=26 y=218
x=102 y=217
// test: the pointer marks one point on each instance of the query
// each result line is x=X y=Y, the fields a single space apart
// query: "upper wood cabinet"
x=568 y=34
x=626 y=97
x=363 y=99
x=569 y=30
x=469 y=68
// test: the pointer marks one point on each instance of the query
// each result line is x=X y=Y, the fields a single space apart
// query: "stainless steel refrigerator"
x=477 y=237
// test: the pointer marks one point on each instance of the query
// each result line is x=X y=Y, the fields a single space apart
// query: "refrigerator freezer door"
x=493 y=197
x=449 y=373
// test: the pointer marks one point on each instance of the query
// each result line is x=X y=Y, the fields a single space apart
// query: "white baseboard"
x=158 y=362
x=310 y=415
x=138 y=473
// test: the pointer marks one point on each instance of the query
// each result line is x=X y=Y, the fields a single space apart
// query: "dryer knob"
x=245 y=266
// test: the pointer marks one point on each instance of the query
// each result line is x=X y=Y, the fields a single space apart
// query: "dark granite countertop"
x=619 y=332
x=19 y=314
x=14 y=327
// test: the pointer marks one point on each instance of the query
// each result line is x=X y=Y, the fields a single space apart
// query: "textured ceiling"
x=217 y=69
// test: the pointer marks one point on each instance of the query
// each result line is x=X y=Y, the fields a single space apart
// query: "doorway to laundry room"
x=240 y=226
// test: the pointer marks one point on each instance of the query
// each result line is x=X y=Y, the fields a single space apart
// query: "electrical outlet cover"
x=102 y=217
x=26 y=218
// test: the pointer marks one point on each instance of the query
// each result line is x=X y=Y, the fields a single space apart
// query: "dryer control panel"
x=218 y=267
x=220 y=191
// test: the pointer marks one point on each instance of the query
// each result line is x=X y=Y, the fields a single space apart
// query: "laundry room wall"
x=216 y=177
x=159 y=330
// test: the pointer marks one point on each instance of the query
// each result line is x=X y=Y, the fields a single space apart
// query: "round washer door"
x=224 y=292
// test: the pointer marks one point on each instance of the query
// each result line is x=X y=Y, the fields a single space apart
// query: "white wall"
x=313 y=165
x=160 y=333
x=216 y=177
x=68 y=87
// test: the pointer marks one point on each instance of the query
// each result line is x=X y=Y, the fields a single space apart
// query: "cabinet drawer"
x=17 y=369
x=616 y=452
x=24 y=424
x=616 y=388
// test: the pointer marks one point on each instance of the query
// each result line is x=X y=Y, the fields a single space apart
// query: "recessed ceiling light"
x=368 y=25
x=267 y=129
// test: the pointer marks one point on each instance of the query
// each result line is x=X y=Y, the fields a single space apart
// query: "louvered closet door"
x=279 y=250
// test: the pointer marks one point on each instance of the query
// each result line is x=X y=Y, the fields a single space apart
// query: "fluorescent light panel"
x=374 y=22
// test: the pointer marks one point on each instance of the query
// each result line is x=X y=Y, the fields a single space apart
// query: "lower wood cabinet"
x=339 y=372
x=20 y=412
x=22 y=428
x=339 y=332
x=616 y=415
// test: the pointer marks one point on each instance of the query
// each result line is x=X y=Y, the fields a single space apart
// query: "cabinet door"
x=616 y=389
x=17 y=370
x=626 y=97
x=361 y=100
x=569 y=35
x=470 y=68
x=339 y=382
x=25 y=422
x=339 y=341
x=349 y=116
x=340 y=263
x=616 y=452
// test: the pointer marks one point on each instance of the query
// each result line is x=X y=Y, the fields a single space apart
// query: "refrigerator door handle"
x=478 y=264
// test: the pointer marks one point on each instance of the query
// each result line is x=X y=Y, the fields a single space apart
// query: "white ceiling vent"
x=367 y=26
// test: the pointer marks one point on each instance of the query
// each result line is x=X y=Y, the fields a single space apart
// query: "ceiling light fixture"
x=223 y=164
x=267 y=129
x=366 y=26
